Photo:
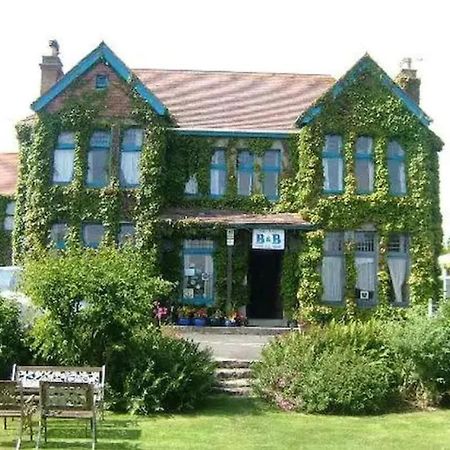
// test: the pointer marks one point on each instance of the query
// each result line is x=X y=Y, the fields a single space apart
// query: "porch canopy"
x=235 y=219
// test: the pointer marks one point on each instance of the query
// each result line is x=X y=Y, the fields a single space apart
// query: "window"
x=63 y=157
x=364 y=166
x=396 y=168
x=101 y=81
x=198 y=275
x=191 y=186
x=98 y=159
x=333 y=273
x=218 y=172
x=8 y=223
x=130 y=157
x=126 y=233
x=333 y=165
x=93 y=234
x=366 y=270
x=58 y=235
x=398 y=264
x=245 y=173
x=271 y=171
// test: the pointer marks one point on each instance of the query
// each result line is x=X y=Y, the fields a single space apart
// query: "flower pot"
x=230 y=323
x=184 y=321
x=200 y=321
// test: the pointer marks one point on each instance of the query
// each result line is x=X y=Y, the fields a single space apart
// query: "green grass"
x=234 y=424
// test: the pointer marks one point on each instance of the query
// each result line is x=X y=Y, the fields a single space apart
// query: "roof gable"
x=365 y=64
x=101 y=53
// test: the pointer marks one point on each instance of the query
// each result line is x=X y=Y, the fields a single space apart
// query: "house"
x=267 y=192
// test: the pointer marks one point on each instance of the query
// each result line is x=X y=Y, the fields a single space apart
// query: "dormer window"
x=101 y=81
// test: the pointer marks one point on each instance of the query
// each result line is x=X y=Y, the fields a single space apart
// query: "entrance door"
x=264 y=279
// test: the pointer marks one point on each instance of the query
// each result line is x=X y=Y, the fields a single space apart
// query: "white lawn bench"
x=31 y=376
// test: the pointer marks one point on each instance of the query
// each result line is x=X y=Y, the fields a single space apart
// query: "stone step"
x=233 y=363
x=233 y=373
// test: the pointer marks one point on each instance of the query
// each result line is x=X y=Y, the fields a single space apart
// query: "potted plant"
x=216 y=318
x=200 y=317
x=185 y=316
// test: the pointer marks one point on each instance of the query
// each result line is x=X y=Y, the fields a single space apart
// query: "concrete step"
x=233 y=373
x=233 y=363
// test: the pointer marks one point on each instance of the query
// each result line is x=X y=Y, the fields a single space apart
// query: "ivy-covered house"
x=265 y=191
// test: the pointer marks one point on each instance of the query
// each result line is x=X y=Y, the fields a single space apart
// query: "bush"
x=12 y=347
x=335 y=369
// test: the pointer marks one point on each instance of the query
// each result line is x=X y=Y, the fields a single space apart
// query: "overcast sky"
x=321 y=36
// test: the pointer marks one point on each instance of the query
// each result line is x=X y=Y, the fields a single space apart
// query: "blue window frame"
x=364 y=165
x=101 y=81
x=245 y=172
x=333 y=165
x=98 y=159
x=198 y=272
x=271 y=171
x=333 y=268
x=126 y=232
x=63 y=158
x=218 y=173
x=398 y=265
x=93 y=234
x=58 y=235
x=130 y=157
x=396 y=168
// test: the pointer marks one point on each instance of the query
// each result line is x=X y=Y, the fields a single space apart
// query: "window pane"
x=395 y=150
x=364 y=175
x=126 y=232
x=191 y=186
x=333 y=143
x=333 y=174
x=218 y=182
x=270 y=185
x=271 y=158
x=218 y=157
x=133 y=138
x=364 y=145
x=333 y=278
x=397 y=178
x=58 y=234
x=92 y=235
x=98 y=167
x=130 y=168
x=100 y=139
x=63 y=166
x=245 y=181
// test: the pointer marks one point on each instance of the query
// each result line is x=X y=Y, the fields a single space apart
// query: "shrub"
x=12 y=347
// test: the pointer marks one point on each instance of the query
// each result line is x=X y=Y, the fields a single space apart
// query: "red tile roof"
x=234 y=219
x=234 y=100
x=8 y=173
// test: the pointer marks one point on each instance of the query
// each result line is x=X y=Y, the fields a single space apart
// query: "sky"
x=320 y=36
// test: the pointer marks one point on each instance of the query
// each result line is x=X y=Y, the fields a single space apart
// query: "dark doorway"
x=264 y=275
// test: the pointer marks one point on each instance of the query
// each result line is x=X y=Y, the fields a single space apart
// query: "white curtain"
x=365 y=268
x=397 y=270
x=129 y=167
x=63 y=166
x=332 y=278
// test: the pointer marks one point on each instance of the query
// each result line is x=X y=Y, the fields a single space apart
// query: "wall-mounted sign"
x=268 y=239
x=230 y=237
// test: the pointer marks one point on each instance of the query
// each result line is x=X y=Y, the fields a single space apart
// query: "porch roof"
x=235 y=219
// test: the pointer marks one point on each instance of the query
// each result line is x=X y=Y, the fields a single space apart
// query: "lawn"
x=236 y=423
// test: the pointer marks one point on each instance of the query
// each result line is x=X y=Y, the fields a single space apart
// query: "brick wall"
x=118 y=99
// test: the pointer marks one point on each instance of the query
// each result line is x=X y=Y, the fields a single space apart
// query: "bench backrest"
x=30 y=376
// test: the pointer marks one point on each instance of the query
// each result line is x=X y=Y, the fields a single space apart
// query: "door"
x=264 y=279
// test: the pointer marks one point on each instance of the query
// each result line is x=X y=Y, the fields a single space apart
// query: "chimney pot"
x=51 y=68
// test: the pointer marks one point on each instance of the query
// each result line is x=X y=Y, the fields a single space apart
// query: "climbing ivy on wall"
x=368 y=108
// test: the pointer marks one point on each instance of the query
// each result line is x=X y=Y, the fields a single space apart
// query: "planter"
x=230 y=323
x=200 y=321
x=184 y=321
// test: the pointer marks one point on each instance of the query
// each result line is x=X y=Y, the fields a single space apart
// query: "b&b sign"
x=268 y=239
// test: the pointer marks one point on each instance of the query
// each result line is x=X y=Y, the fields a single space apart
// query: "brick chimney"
x=408 y=81
x=51 y=68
